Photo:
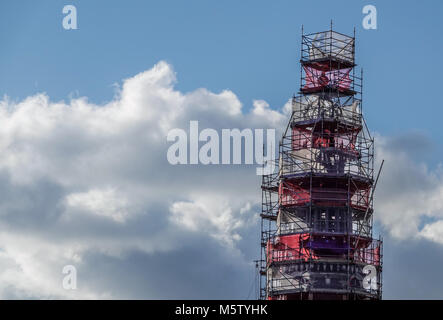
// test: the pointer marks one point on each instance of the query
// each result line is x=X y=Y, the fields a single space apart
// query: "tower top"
x=328 y=47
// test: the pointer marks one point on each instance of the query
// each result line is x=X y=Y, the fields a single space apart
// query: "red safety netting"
x=368 y=255
x=317 y=79
x=301 y=139
x=293 y=247
x=360 y=198
x=291 y=194
x=289 y=247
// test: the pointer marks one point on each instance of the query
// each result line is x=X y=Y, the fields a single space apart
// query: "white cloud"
x=211 y=215
x=32 y=268
x=409 y=192
x=88 y=178
x=108 y=203
x=433 y=231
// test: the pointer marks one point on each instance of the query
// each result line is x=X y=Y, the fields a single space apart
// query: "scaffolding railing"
x=325 y=226
x=326 y=46
x=291 y=194
x=303 y=150
x=285 y=280
x=295 y=195
x=308 y=109
x=332 y=83
x=308 y=269
x=305 y=246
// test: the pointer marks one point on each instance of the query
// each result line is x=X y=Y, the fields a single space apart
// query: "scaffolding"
x=317 y=209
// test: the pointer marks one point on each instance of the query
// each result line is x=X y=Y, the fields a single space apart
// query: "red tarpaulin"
x=288 y=248
x=291 y=194
x=318 y=79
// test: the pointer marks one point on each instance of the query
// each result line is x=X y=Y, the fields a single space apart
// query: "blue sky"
x=249 y=47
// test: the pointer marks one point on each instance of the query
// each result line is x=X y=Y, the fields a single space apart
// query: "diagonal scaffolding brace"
x=370 y=203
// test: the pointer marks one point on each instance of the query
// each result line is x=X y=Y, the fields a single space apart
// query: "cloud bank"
x=90 y=186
